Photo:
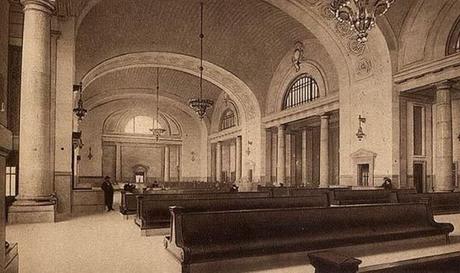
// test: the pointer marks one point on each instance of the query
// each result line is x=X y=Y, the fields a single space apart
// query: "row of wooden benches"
x=333 y=262
x=209 y=236
x=144 y=205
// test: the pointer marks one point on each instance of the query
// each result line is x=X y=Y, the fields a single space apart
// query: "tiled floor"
x=107 y=243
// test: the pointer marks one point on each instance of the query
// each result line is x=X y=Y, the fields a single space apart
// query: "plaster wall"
x=191 y=139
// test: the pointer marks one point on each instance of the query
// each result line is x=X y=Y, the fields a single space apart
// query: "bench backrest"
x=437 y=199
x=200 y=195
x=249 y=225
x=344 y=196
x=158 y=210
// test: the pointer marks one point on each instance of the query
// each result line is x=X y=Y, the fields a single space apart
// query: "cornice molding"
x=225 y=135
x=316 y=108
x=428 y=73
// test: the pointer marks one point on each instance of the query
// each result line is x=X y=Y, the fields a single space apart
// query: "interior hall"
x=229 y=136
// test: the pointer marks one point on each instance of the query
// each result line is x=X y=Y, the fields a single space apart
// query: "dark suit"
x=108 y=194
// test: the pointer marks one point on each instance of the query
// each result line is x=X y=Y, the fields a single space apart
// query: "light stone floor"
x=107 y=243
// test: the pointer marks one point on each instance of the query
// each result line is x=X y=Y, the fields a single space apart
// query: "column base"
x=26 y=212
x=443 y=190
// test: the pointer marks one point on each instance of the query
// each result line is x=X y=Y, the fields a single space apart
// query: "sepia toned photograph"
x=230 y=136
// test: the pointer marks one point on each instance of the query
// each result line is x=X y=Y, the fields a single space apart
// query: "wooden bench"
x=332 y=262
x=356 y=197
x=441 y=202
x=155 y=213
x=198 y=237
x=128 y=204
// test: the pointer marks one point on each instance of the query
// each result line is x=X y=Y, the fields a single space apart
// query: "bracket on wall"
x=248 y=151
x=90 y=155
x=298 y=56
x=193 y=155
x=360 y=134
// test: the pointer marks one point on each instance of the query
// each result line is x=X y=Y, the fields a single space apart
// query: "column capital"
x=55 y=34
x=324 y=116
x=447 y=84
x=282 y=127
x=47 y=6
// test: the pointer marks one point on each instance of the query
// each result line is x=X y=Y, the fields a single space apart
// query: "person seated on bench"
x=387 y=184
x=234 y=188
x=129 y=187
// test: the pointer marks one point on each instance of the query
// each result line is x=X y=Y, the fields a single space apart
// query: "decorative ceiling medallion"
x=343 y=29
x=364 y=67
x=356 y=47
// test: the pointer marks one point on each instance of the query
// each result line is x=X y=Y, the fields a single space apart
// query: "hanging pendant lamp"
x=201 y=105
x=157 y=130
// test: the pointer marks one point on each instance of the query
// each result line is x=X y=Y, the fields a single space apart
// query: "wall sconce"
x=360 y=134
x=90 y=154
x=298 y=57
x=248 y=151
x=193 y=156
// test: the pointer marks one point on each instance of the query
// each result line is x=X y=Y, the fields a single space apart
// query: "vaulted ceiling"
x=247 y=38
x=174 y=84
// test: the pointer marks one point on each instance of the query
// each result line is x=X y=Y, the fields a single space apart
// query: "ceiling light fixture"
x=157 y=130
x=360 y=14
x=201 y=105
x=79 y=111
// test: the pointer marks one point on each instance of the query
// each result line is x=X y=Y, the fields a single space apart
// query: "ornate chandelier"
x=157 y=130
x=201 y=105
x=360 y=14
x=79 y=111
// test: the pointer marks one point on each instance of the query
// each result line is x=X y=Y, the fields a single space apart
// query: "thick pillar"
x=34 y=149
x=304 y=157
x=219 y=161
x=444 y=153
x=281 y=162
x=324 y=152
x=63 y=120
x=167 y=164
x=118 y=177
x=238 y=156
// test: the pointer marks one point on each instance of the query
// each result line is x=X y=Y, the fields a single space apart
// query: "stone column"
x=34 y=150
x=324 y=152
x=118 y=174
x=238 y=156
x=444 y=152
x=63 y=119
x=281 y=164
x=304 y=157
x=219 y=161
x=167 y=165
x=178 y=163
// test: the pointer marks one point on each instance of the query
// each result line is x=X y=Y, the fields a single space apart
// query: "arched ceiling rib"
x=248 y=38
x=174 y=84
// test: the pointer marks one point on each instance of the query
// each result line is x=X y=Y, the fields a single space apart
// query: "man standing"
x=108 y=193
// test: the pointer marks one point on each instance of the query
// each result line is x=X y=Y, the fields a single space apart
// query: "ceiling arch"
x=248 y=38
x=174 y=84
x=218 y=76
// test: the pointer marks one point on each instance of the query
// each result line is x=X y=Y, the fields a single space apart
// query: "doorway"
x=419 y=176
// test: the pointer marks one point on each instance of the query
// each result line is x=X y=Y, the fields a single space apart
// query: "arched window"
x=140 y=125
x=302 y=90
x=453 y=44
x=228 y=120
